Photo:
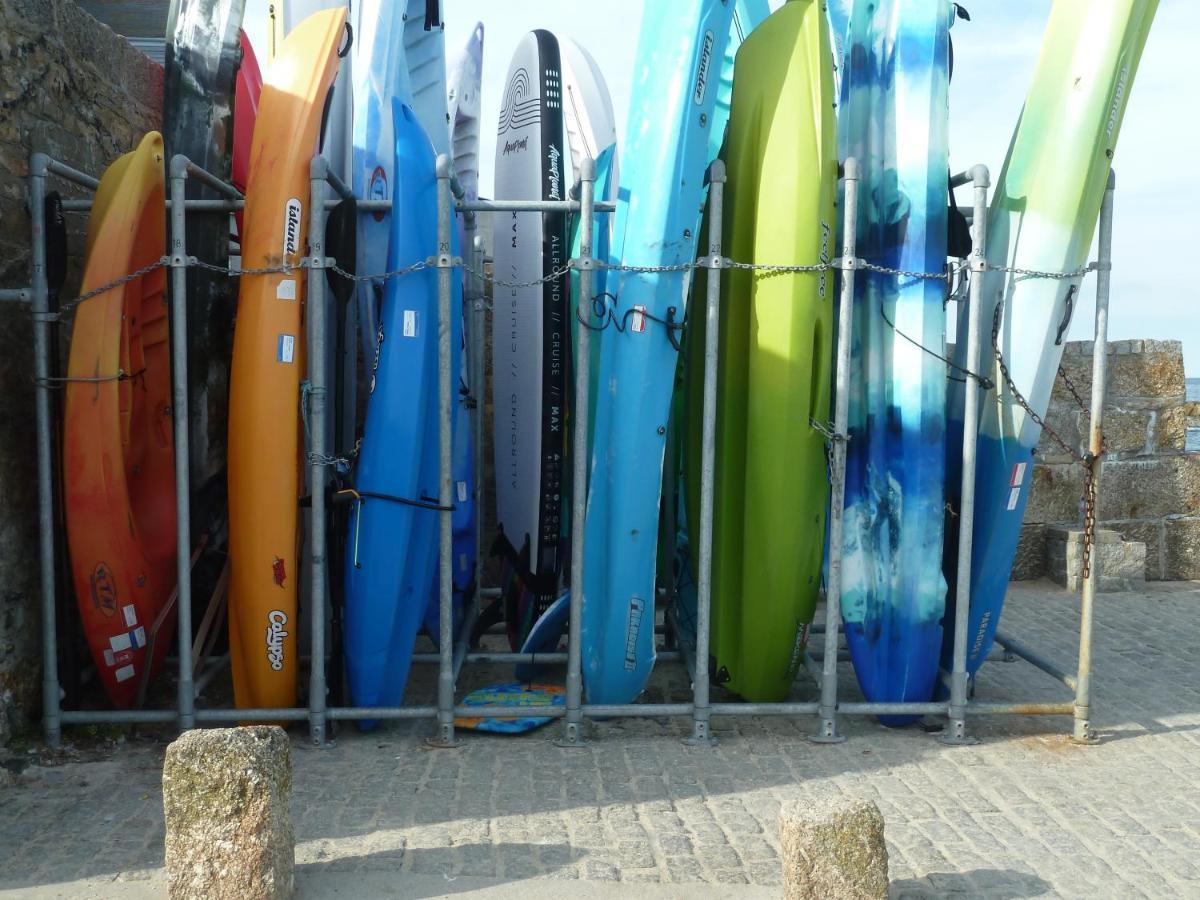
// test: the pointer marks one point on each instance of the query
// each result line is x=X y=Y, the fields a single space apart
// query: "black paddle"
x=340 y=243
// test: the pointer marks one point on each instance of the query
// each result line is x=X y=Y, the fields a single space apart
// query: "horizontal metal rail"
x=1031 y=656
x=529 y=206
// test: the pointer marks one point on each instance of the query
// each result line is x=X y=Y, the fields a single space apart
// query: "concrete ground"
x=1025 y=813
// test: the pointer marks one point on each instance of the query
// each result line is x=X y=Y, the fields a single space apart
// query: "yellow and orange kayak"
x=268 y=364
x=118 y=452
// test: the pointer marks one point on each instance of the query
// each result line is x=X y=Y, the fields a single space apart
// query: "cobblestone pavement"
x=1025 y=813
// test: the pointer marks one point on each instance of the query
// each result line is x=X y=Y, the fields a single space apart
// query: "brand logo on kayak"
x=637 y=608
x=1118 y=97
x=377 y=190
x=702 y=71
x=514 y=146
x=291 y=227
x=552 y=157
x=276 y=632
x=104 y=589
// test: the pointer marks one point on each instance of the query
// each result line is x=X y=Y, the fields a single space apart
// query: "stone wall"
x=1149 y=486
x=72 y=88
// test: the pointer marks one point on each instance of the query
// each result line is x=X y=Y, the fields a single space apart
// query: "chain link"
x=1039 y=273
x=829 y=430
x=1070 y=386
x=70 y=305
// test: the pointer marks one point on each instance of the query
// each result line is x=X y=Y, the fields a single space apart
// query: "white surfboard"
x=530 y=328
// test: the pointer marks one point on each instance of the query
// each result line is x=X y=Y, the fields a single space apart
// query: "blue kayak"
x=670 y=139
x=894 y=120
x=391 y=544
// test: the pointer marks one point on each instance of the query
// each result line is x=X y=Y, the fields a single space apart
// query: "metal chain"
x=1070 y=386
x=70 y=305
x=829 y=430
x=1088 y=460
x=385 y=276
x=907 y=273
x=496 y=282
x=1039 y=273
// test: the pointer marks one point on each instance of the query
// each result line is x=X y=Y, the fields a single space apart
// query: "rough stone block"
x=1150 y=488
x=1138 y=369
x=832 y=847
x=1055 y=494
x=1150 y=533
x=1182 y=548
x=1127 y=432
x=227 y=810
x=1030 y=561
x=1171 y=425
x=1121 y=565
x=1064 y=419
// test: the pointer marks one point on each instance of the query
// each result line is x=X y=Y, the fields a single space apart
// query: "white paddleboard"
x=530 y=328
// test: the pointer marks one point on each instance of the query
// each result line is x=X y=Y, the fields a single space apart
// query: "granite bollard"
x=227 y=810
x=832 y=848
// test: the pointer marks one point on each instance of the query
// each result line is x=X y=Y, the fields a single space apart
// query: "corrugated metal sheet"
x=155 y=48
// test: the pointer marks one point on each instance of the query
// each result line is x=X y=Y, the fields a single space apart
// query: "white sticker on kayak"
x=462 y=492
x=1018 y=475
x=410 y=323
x=130 y=615
x=638 y=324
x=109 y=659
x=1013 y=496
x=120 y=642
x=124 y=673
x=292 y=214
x=285 y=348
x=286 y=289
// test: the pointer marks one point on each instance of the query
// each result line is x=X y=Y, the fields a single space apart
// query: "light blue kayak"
x=894 y=120
x=425 y=49
x=670 y=138
x=464 y=99
x=380 y=75
x=390 y=554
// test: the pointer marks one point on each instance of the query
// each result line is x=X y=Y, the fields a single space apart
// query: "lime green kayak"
x=775 y=346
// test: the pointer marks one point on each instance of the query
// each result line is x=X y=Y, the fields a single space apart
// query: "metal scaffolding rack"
x=451 y=655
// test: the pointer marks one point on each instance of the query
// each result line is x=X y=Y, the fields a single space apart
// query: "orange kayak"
x=118 y=452
x=265 y=442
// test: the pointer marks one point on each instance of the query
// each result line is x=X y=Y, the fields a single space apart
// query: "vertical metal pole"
x=1083 y=732
x=712 y=324
x=445 y=271
x=318 y=393
x=828 y=733
x=573 y=733
x=479 y=390
x=180 y=415
x=40 y=306
x=956 y=733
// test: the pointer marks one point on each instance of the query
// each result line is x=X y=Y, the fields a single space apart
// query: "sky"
x=1157 y=222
